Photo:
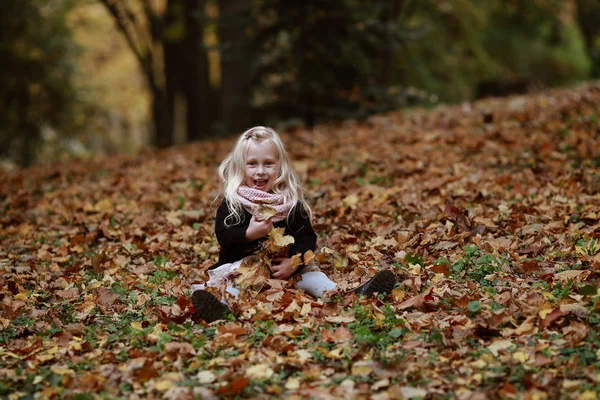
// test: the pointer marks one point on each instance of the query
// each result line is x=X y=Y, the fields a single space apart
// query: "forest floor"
x=487 y=212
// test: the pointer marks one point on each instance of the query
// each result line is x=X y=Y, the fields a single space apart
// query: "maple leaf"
x=308 y=257
x=296 y=261
x=277 y=242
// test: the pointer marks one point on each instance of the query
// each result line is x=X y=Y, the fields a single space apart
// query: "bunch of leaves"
x=255 y=271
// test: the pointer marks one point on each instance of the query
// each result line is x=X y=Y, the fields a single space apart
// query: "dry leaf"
x=267 y=212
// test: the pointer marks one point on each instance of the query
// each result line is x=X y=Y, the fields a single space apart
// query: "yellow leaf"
x=13 y=355
x=308 y=256
x=267 y=212
x=279 y=238
x=306 y=309
x=259 y=371
x=303 y=355
x=499 y=344
x=544 y=312
x=292 y=383
x=21 y=296
x=548 y=295
x=587 y=395
x=205 y=377
x=335 y=353
x=58 y=370
x=74 y=345
x=103 y=205
x=164 y=385
x=571 y=383
x=350 y=200
x=398 y=295
x=520 y=356
x=296 y=261
x=137 y=325
x=362 y=368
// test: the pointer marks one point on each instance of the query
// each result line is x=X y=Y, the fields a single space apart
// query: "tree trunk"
x=196 y=85
x=146 y=40
x=236 y=65
x=162 y=118
x=174 y=72
x=386 y=57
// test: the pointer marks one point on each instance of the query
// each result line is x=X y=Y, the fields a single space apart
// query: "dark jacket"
x=235 y=246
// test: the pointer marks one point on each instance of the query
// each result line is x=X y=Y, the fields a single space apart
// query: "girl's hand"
x=282 y=268
x=258 y=229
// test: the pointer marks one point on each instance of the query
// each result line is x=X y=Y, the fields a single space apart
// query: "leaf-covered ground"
x=488 y=213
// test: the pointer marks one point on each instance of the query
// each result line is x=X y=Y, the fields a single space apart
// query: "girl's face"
x=262 y=165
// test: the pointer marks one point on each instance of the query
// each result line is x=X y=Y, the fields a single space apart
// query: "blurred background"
x=85 y=77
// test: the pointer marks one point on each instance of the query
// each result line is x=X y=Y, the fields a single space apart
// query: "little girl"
x=258 y=174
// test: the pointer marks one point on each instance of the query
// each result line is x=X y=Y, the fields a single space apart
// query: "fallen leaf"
x=498 y=345
x=259 y=371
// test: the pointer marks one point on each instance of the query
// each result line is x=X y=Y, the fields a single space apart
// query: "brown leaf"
x=530 y=266
x=232 y=329
x=235 y=386
x=98 y=260
x=105 y=297
x=175 y=348
x=253 y=273
x=551 y=318
x=533 y=249
x=341 y=334
x=418 y=302
x=458 y=216
x=440 y=269
x=69 y=293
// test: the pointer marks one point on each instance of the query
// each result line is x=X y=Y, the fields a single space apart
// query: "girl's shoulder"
x=300 y=210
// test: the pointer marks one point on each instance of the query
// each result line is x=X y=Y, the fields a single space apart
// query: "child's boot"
x=208 y=307
x=382 y=282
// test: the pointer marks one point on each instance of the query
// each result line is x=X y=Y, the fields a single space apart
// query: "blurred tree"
x=324 y=59
x=544 y=47
x=187 y=69
x=468 y=49
x=36 y=89
x=588 y=17
x=237 y=49
x=166 y=38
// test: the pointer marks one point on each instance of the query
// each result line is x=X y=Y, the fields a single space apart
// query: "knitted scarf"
x=259 y=203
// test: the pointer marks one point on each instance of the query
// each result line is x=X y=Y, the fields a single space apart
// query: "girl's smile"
x=262 y=165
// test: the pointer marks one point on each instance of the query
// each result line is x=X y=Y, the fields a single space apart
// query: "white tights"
x=315 y=283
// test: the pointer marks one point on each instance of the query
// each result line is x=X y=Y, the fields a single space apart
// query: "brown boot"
x=208 y=307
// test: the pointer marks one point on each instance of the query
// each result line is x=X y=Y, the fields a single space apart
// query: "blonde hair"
x=232 y=173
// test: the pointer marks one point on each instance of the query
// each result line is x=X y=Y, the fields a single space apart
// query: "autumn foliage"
x=488 y=214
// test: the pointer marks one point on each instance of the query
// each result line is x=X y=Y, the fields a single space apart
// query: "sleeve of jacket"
x=230 y=236
x=301 y=229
